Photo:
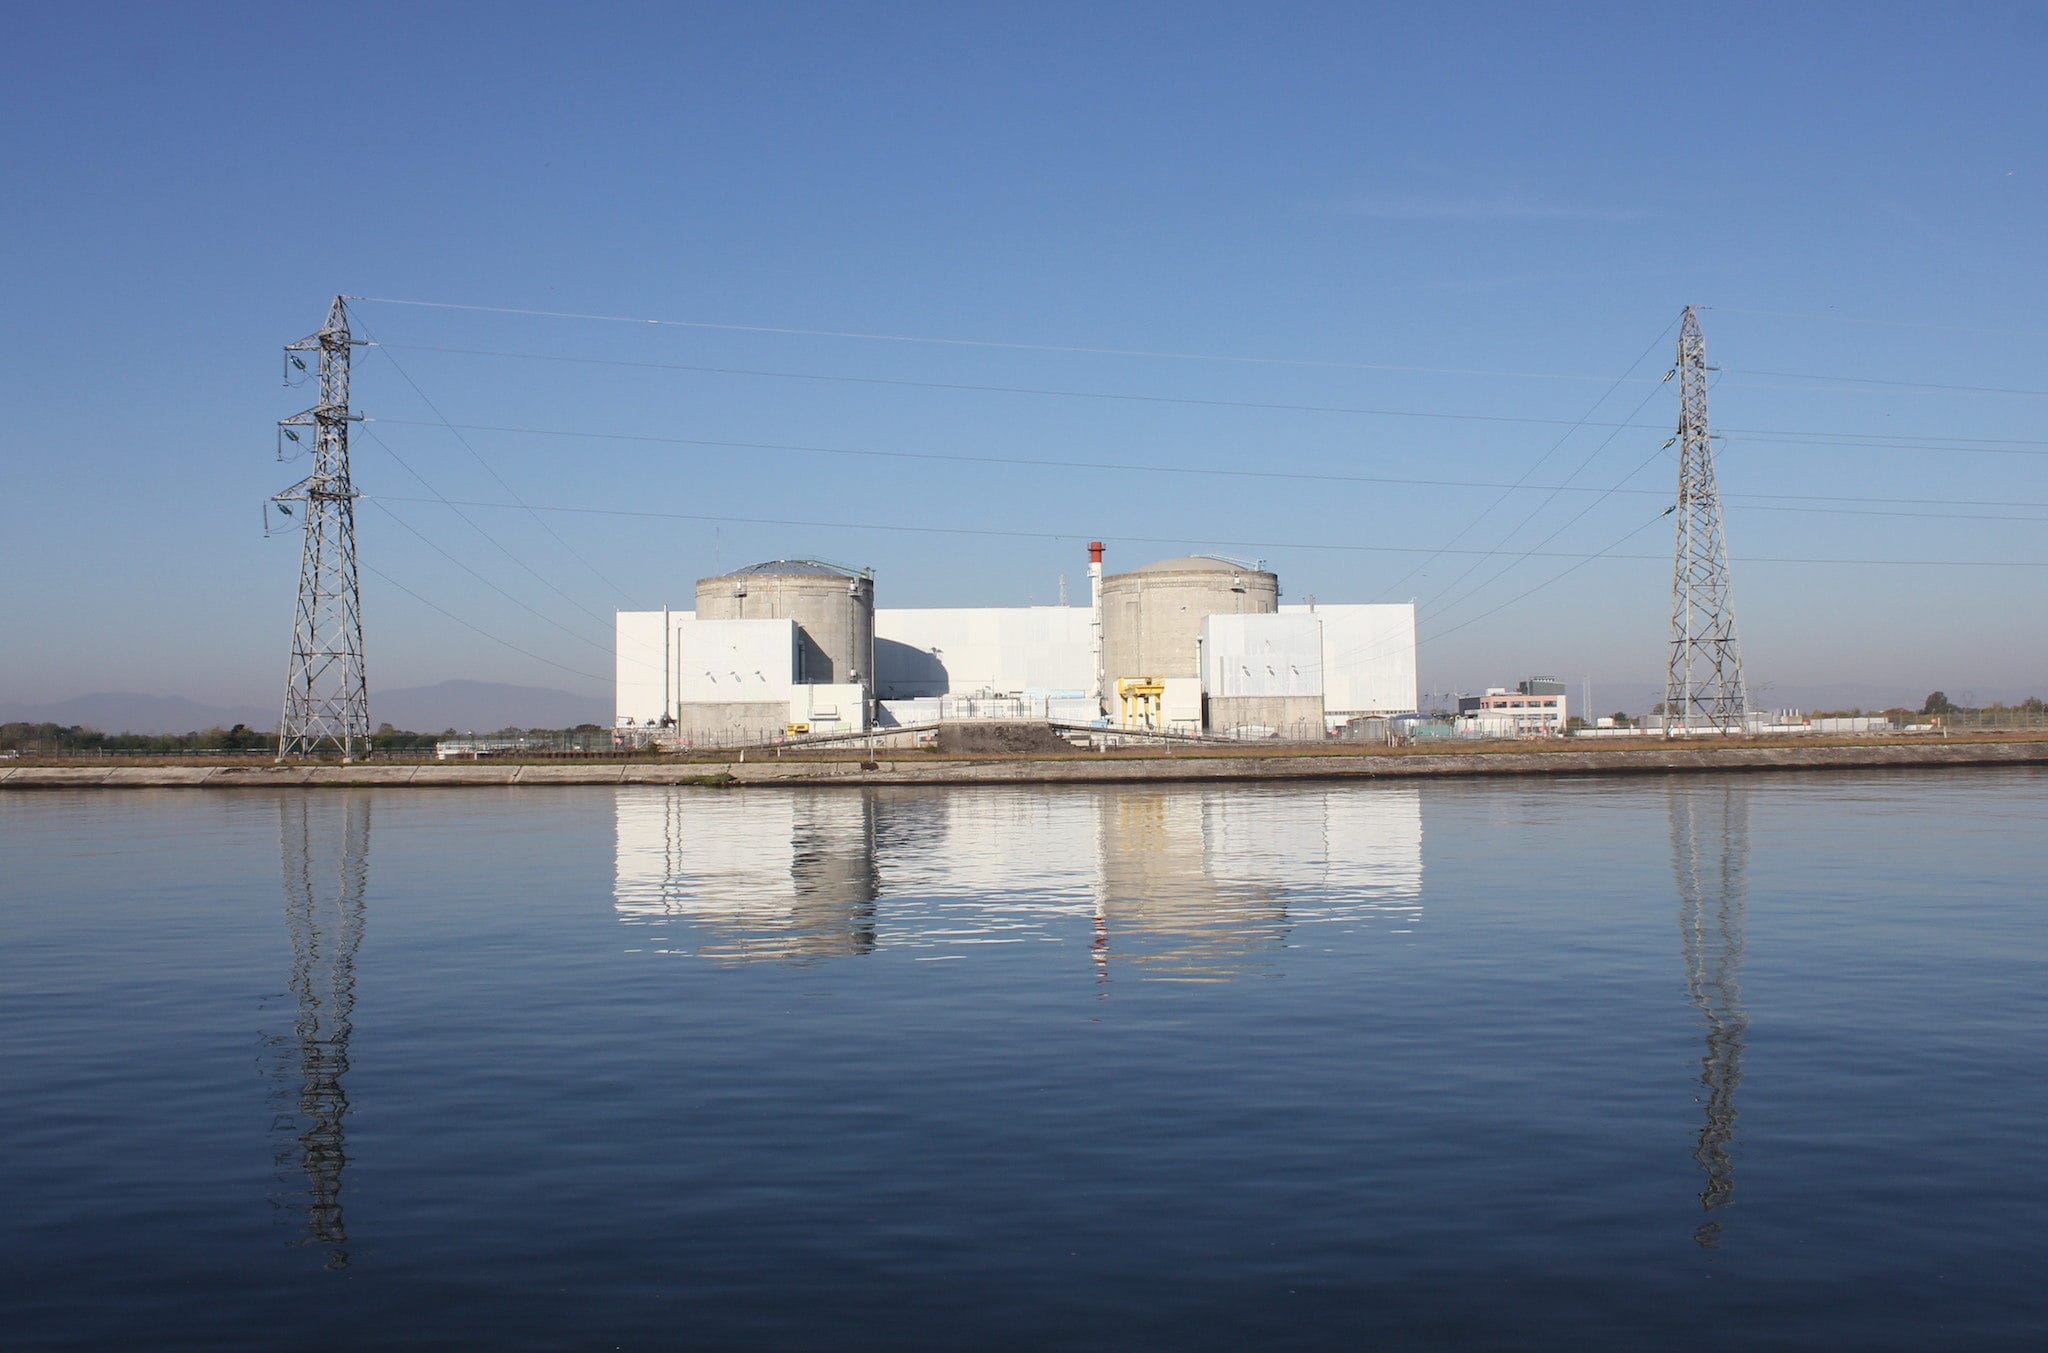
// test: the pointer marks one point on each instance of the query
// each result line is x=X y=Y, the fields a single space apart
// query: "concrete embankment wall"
x=1052 y=770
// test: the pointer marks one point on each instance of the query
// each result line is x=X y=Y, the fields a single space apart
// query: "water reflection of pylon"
x=324 y=914
x=1710 y=858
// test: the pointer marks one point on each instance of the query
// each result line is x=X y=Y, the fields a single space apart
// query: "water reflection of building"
x=1710 y=861
x=324 y=844
x=1199 y=882
x=788 y=876
x=1166 y=909
x=1174 y=881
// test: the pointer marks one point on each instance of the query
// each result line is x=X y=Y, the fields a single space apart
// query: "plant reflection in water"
x=1178 y=883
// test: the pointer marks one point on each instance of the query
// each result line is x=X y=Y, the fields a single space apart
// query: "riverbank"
x=1554 y=759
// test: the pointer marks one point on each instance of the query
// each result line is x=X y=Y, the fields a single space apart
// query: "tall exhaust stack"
x=1095 y=619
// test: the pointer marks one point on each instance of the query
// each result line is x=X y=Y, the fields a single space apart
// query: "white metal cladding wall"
x=1039 y=649
x=636 y=665
x=735 y=661
x=1262 y=655
x=1368 y=657
x=840 y=708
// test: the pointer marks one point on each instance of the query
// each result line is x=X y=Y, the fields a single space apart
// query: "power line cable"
x=1929 y=387
x=1884 y=323
x=1902 y=441
x=592 y=676
x=1523 y=557
x=1922 y=516
x=1073 y=349
x=1035 y=462
x=1594 y=408
x=1087 y=350
x=1370 y=654
x=1559 y=576
x=1854 y=441
x=1532 y=552
x=609 y=650
x=1936 y=387
x=1143 y=467
x=2002 y=444
x=1594 y=504
x=1175 y=540
x=973 y=388
x=474 y=525
x=1617 y=487
x=1541 y=504
x=453 y=431
x=1600 y=494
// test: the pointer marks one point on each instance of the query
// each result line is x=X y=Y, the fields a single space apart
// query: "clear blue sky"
x=1513 y=189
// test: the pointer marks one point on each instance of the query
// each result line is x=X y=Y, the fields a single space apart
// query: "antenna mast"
x=1704 y=688
x=326 y=699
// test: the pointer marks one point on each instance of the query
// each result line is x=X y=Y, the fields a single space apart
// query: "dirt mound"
x=1006 y=737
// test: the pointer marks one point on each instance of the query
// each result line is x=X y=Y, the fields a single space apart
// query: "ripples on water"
x=1699 y=1062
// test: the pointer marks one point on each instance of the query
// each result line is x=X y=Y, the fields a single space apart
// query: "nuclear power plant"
x=1191 y=646
x=1196 y=646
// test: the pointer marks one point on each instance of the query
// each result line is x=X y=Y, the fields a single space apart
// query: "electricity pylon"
x=1704 y=688
x=326 y=698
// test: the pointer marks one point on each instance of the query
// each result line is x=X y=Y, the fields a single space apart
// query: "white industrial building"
x=1534 y=708
x=1190 y=645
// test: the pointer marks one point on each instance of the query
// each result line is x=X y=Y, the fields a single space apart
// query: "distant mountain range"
x=479 y=706
x=130 y=712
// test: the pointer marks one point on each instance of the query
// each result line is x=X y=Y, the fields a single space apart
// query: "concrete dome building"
x=1152 y=616
x=833 y=607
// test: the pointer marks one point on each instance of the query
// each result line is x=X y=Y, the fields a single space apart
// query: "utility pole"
x=326 y=699
x=1704 y=686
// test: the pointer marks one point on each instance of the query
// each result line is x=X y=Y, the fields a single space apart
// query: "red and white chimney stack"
x=1095 y=619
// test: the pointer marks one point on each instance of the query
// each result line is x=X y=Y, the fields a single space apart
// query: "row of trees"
x=1937 y=705
x=1937 y=702
x=75 y=738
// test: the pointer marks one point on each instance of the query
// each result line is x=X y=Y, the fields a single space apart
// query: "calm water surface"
x=1688 y=1063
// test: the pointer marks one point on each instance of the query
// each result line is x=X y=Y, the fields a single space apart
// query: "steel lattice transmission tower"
x=326 y=699
x=1704 y=688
